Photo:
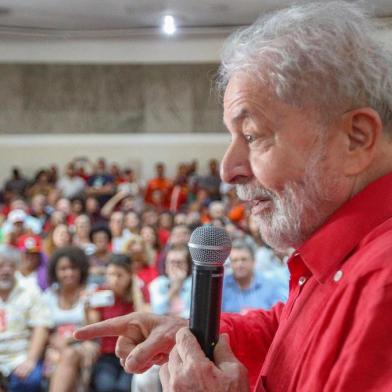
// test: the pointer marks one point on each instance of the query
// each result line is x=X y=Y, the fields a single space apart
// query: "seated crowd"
x=97 y=243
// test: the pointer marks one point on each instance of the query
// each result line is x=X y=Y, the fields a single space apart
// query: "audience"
x=104 y=232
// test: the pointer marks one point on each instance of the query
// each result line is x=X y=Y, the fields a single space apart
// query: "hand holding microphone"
x=200 y=360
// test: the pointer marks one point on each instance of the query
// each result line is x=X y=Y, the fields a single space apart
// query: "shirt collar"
x=332 y=243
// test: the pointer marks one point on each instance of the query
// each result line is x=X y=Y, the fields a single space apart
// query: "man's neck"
x=4 y=294
x=244 y=283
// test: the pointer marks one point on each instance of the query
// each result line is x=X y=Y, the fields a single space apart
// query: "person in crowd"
x=15 y=227
x=64 y=205
x=25 y=321
x=180 y=191
x=101 y=237
x=71 y=185
x=93 y=210
x=129 y=184
x=216 y=211
x=20 y=221
x=158 y=189
x=308 y=105
x=108 y=374
x=59 y=237
x=17 y=184
x=77 y=209
x=100 y=184
x=142 y=255
x=149 y=216
x=149 y=234
x=211 y=182
x=116 y=227
x=115 y=172
x=165 y=226
x=56 y=218
x=179 y=235
x=170 y=293
x=39 y=209
x=81 y=237
x=40 y=184
x=131 y=224
x=66 y=360
x=33 y=265
x=245 y=288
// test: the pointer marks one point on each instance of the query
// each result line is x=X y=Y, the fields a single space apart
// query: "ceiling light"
x=169 y=25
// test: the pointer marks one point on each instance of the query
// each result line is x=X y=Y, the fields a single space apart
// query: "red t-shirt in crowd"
x=334 y=333
x=119 y=308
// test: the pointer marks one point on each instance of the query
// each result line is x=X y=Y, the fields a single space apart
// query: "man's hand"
x=144 y=339
x=25 y=368
x=189 y=369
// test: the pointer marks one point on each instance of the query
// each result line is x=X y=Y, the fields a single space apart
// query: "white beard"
x=299 y=209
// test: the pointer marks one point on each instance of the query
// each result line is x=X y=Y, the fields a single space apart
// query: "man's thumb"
x=222 y=352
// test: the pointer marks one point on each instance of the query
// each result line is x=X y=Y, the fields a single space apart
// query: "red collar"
x=333 y=242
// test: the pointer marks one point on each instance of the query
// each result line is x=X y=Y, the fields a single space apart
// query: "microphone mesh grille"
x=205 y=237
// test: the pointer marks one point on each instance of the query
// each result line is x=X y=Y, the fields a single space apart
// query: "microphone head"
x=209 y=246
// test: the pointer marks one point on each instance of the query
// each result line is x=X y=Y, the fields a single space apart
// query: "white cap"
x=17 y=216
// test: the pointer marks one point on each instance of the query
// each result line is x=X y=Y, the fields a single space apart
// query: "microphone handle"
x=206 y=301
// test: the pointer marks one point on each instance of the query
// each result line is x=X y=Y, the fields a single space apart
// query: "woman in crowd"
x=150 y=236
x=108 y=374
x=171 y=293
x=101 y=237
x=66 y=358
x=59 y=237
x=143 y=266
x=81 y=236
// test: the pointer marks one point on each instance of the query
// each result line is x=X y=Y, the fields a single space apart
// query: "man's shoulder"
x=374 y=253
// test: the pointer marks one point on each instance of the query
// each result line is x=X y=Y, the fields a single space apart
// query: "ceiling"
x=100 y=18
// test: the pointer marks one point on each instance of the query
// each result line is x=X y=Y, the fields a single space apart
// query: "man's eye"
x=250 y=138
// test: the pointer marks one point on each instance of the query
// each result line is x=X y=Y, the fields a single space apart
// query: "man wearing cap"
x=24 y=327
x=18 y=223
x=34 y=263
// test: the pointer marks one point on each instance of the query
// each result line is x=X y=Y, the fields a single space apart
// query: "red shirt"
x=334 y=333
x=119 y=308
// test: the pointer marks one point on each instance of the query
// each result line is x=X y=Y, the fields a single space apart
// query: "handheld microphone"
x=209 y=247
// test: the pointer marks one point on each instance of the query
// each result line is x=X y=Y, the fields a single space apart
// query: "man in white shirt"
x=70 y=184
x=24 y=327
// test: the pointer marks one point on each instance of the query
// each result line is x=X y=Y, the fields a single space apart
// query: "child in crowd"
x=108 y=374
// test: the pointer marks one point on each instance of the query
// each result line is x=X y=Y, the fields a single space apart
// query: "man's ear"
x=362 y=130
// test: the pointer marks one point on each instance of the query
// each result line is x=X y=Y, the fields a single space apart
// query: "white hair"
x=321 y=54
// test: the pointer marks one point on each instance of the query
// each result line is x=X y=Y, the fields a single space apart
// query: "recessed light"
x=169 y=25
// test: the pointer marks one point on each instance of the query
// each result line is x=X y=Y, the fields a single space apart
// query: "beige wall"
x=141 y=152
x=108 y=98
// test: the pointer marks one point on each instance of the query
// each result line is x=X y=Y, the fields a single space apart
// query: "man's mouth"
x=258 y=205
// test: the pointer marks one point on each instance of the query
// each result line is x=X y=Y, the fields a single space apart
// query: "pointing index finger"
x=112 y=327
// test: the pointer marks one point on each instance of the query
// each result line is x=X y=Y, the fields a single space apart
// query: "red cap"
x=29 y=243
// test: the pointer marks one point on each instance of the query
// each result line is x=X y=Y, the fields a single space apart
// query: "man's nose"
x=235 y=167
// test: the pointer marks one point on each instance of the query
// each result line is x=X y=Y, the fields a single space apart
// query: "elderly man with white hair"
x=308 y=104
x=25 y=321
